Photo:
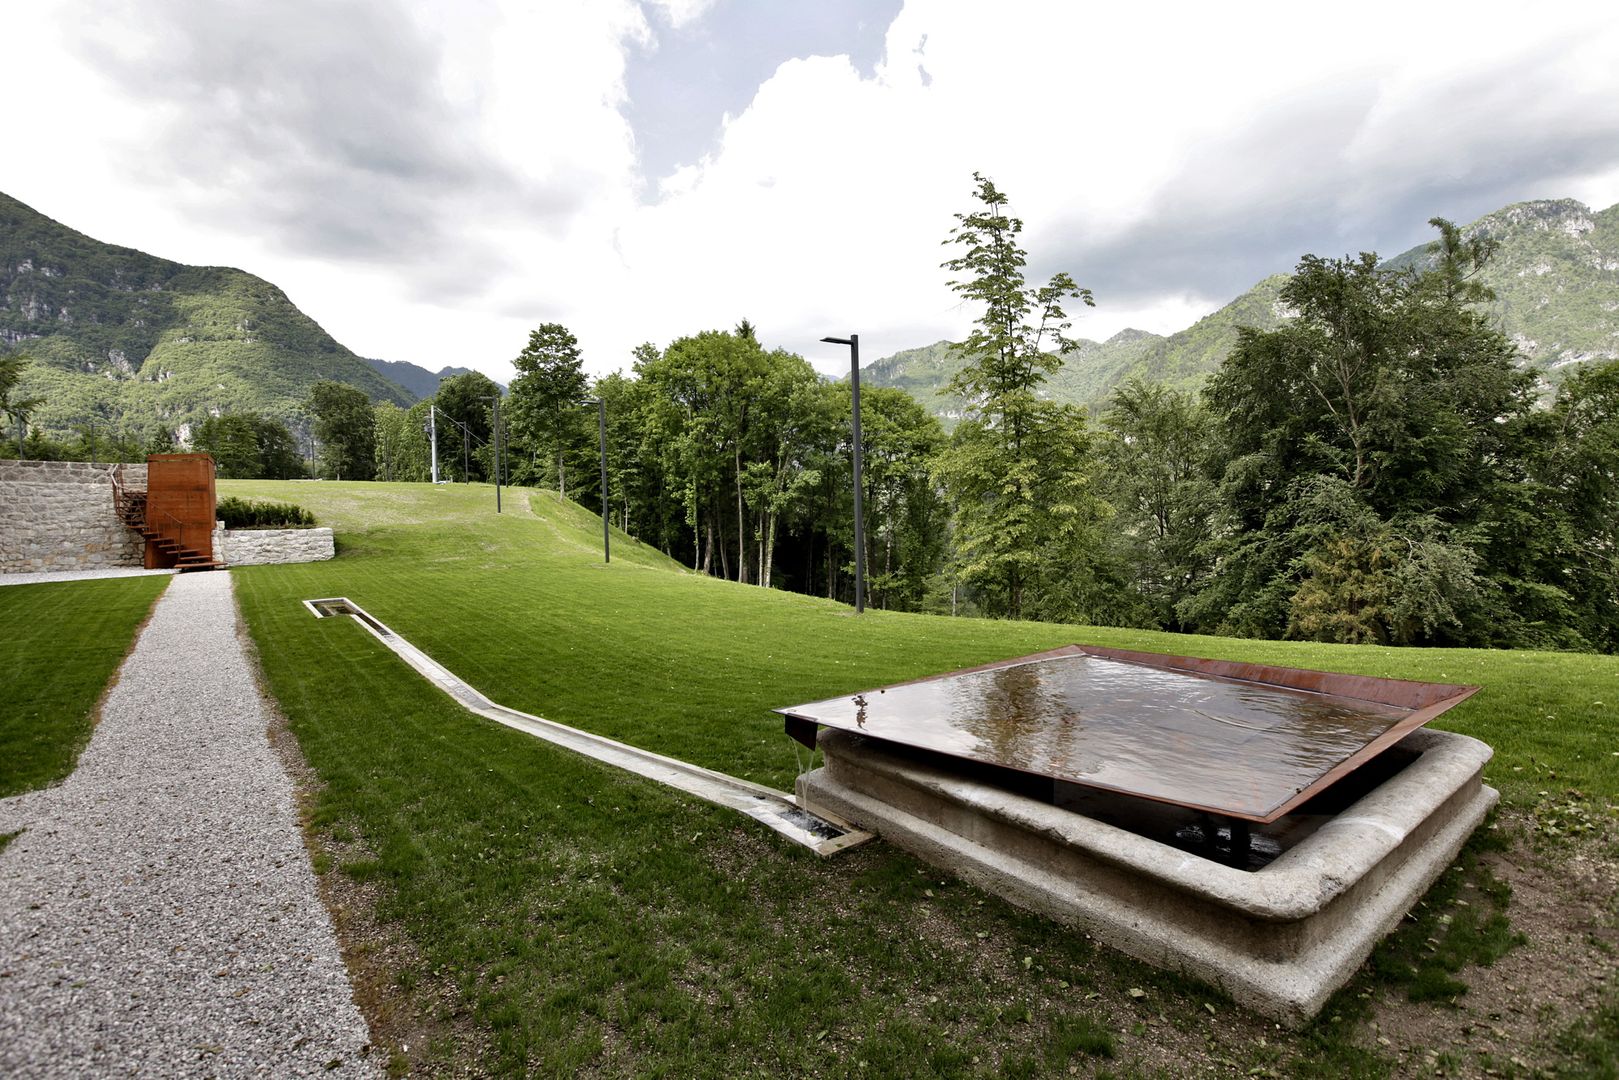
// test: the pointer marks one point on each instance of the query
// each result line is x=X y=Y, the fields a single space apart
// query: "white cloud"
x=679 y=13
x=431 y=180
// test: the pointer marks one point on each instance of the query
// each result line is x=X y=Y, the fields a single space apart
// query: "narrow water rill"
x=824 y=834
x=1257 y=827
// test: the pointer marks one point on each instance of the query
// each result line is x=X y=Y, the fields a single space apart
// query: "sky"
x=432 y=180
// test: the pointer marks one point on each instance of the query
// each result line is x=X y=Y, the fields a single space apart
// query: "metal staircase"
x=162 y=549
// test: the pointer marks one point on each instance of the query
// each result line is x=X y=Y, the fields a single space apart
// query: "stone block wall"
x=254 y=547
x=58 y=515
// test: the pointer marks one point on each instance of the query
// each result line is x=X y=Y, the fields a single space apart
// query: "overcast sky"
x=432 y=180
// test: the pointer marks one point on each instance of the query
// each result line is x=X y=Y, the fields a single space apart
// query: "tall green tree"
x=1018 y=469
x=1368 y=443
x=543 y=405
x=346 y=430
x=247 y=446
x=466 y=424
x=1157 y=468
x=713 y=385
x=907 y=515
x=14 y=406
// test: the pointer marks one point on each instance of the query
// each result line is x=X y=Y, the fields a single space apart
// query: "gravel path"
x=159 y=915
x=75 y=575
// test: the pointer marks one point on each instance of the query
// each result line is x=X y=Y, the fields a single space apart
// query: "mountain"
x=126 y=338
x=1555 y=275
x=1556 y=280
x=415 y=378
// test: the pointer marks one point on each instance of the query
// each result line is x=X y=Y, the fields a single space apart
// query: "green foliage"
x=466 y=426
x=1556 y=297
x=905 y=509
x=1369 y=444
x=246 y=446
x=60 y=645
x=543 y=408
x=346 y=429
x=1157 y=463
x=15 y=407
x=130 y=339
x=249 y=514
x=1018 y=470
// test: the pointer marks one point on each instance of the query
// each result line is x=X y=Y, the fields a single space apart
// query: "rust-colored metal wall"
x=180 y=503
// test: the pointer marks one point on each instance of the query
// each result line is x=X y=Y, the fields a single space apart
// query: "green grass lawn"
x=60 y=643
x=567 y=917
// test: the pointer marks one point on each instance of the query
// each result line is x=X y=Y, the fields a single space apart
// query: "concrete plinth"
x=1279 y=940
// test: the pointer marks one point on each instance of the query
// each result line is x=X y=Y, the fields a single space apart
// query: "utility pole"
x=432 y=429
x=466 y=443
x=853 y=341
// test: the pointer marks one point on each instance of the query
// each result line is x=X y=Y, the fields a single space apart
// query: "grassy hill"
x=1556 y=278
x=538 y=913
x=130 y=339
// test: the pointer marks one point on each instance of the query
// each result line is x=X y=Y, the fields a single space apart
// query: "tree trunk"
x=562 y=475
x=741 y=524
x=809 y=564
x=708 y=549
x=768 y=554
x=725 y=563
x=888 y=565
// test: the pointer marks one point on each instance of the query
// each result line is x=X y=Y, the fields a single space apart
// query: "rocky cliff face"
x=1556 y=280
x=130 y=339
x=1555 y=275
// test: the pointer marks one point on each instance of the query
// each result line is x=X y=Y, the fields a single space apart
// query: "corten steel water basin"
x=1244 y=741
x=1060 y=787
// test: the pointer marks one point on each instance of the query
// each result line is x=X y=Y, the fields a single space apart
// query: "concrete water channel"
x=825 y=834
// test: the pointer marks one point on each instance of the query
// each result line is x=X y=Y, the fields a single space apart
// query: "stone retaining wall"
x=254 y=547
x=58 y=515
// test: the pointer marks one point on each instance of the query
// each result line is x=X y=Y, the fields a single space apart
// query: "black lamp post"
x=853 y=341
x=601 y=427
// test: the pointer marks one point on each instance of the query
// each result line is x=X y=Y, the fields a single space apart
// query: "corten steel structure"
x=175 y=514
x=1245 y=742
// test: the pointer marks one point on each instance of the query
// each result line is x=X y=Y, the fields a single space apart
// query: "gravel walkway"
x=159 y=915
x=75 y=575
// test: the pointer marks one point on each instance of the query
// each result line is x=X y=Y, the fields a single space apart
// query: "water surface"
x=1238 y=748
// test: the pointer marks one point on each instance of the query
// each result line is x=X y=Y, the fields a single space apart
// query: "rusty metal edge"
x=1429 y=700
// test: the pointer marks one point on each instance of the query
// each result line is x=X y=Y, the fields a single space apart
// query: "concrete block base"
x=1279 y=940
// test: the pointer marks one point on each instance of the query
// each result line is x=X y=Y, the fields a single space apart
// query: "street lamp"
x=853 y=341
x=496 y=399
x=601 y=427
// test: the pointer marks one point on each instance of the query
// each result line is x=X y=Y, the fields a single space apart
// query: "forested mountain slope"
x=1555 y=275
x=415 y=378
x=128 y=339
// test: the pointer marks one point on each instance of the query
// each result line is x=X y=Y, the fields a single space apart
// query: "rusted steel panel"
x=1247 y=741
x=180 y=500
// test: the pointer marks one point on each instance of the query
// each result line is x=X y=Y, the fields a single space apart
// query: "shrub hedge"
x=248 y=514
